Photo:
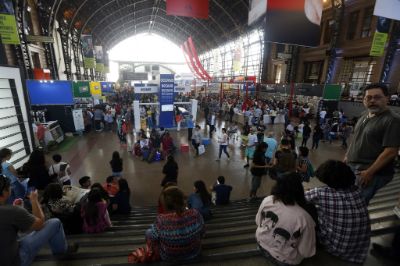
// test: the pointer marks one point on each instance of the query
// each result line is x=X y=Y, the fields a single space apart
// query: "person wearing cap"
x=251 y=146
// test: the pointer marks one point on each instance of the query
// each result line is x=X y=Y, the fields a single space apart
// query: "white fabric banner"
x=145 y=88
x=388 y=9
x=257 y=9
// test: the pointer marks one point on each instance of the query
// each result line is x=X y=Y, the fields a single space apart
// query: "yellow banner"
x=378 y=44
x=95 y=88
x=8 y=29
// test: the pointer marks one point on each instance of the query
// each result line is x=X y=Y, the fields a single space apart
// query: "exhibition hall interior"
x=202 y=132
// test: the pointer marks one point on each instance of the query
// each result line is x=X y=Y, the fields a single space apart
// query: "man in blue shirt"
x=222 y=191
x=272 y=146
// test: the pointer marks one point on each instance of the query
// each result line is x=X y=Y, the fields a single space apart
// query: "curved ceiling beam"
x=133 y=4
x=164 y=22
x=116 y=29
x=161 y=30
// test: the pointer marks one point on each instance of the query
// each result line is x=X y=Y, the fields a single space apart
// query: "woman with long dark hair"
x=176 y=234
x=122 y=198
x=37 y=171
x=258 y=168
x=200 y=199
x=116 y=164
x=285 y=231
x=94 y=213
x=170 y=170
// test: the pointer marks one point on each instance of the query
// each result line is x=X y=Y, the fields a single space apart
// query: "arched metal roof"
x=111 y=21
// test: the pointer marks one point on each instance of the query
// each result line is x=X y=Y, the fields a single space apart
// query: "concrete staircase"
x=229 y=236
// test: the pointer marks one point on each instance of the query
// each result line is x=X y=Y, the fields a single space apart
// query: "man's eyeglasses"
x=375 y=97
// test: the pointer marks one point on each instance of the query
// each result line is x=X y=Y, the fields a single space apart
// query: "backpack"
x=286 y=162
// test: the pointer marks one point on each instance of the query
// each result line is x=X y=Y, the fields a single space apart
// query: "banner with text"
x=380 y=37
x=188 y=8
x=88 y=51
x=8 y=25
x=99 y=59
x=145 y=88
x=166 y=100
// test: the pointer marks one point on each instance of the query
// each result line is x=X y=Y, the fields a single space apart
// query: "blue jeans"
x=52 y=233
x=223 y=148
x=377 y=182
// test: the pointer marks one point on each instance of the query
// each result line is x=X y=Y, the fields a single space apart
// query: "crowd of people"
x=290 y=222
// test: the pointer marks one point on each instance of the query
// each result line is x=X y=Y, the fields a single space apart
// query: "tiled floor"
x=91 y=153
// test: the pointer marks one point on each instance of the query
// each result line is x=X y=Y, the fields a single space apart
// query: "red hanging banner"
x=189 y=54
x=188 y=8
x=193 y=51
x=188 y=63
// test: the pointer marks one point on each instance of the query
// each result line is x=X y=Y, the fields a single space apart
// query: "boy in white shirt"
x=60 y=170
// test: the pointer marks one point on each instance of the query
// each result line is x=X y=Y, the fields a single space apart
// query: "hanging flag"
x=294 y=22
x=380 y=37
x=99 y=59
x=8 y=25
x=195 y=56
x=388 y=9
x=258 y=8
x=88 y=52
x=188 y=8
x=106 y=63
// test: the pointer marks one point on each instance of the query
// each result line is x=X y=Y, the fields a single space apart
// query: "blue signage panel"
x=166 y=100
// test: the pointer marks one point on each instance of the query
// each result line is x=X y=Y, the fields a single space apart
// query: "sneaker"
x=246 y=165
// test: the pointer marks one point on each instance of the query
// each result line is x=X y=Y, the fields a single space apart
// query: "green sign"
x=378 y=44
x=8 y=29
x=81 y=89
x=106 y=69
x=332 y=92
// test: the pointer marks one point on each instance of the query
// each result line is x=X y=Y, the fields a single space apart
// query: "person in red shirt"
x=40 y=132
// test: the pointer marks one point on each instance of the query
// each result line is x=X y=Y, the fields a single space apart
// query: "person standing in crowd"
x=376 y=142
x=306 y=134
x=190 y=126
x=316 y=137
x=116 y=164
x=18 y=187
x=200 y=199
x=178 y=119
x=212 y=124
x=14 y=219
x=223 y=144
x=170 y=170
x=60 y=170
x=109 y=121
x=231 y=113
x=196 y=139
x=344 y=226
x=258 y=168
x=272 y=146
x=284 y=161
x=251 y=146
x=285 y=230
x=98 y=118
x=345 y=134
x=222 y=192
x=40 y=134
x=322 y=115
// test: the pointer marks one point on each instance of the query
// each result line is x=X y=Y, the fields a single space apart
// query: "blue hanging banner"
x=166 y=100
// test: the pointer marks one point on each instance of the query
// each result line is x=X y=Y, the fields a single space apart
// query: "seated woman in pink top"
x=94 y=213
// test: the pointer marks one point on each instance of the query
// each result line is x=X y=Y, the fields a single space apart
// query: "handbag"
x=202 y=149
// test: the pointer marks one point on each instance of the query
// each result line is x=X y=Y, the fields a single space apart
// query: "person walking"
x=316 y=136
x=196 y=139
x=223 y=144
x=376 y=142
x=306 y=134
x=212 y=124
x=190 y=126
